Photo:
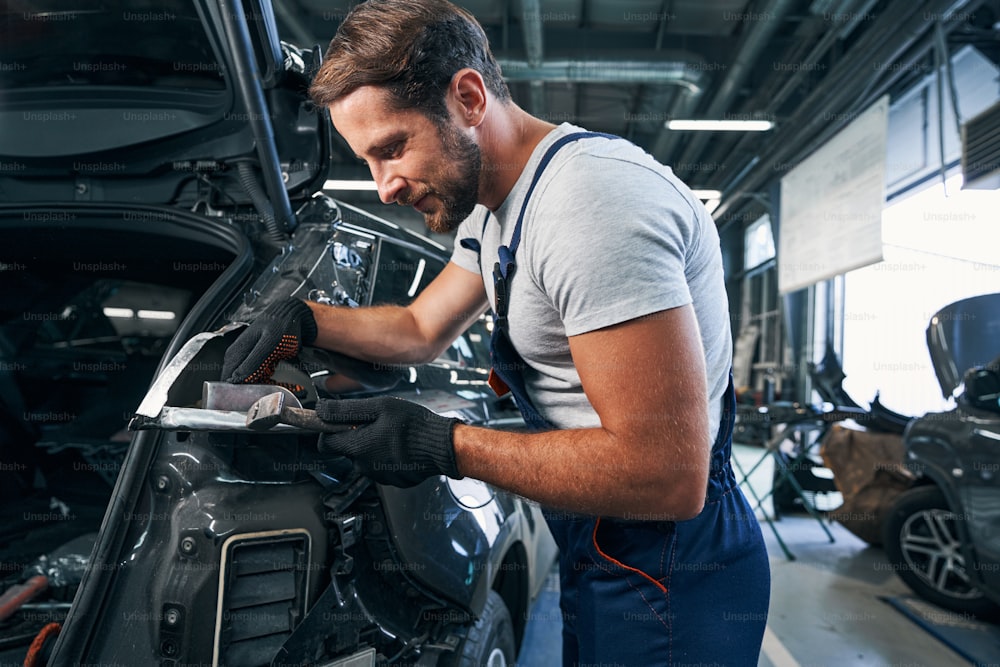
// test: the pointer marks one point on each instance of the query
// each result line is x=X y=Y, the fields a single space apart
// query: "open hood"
x=961 y=335
x=158 y=103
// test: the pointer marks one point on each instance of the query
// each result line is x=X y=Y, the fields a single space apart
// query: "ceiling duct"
x=842 y=93
x=531 y=25
x=605 y=71
x=981 y=150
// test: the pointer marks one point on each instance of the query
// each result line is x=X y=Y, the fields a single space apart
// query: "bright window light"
x=939 y=246
x=721 y=125
x=758 y=242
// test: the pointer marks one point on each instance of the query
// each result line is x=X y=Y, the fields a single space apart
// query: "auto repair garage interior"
x=849 y=153
x=867 y=206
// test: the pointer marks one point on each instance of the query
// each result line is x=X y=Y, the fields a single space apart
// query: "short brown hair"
x=410 y=47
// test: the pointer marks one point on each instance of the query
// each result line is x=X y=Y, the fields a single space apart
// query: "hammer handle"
x=310 y=421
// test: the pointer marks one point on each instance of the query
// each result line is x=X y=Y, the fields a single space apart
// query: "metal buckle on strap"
x=500 y=296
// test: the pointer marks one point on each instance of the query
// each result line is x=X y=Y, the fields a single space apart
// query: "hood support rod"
x=247 y=80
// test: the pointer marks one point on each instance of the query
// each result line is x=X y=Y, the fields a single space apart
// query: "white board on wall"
x=831 y=204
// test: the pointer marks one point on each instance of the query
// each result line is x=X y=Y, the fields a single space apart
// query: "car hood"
x=153 y=102
x=961 y=335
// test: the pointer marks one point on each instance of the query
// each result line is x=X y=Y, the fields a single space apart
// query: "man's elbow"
x=678 y=507
x=690 y=506
x=427 y=353
x=686 y=497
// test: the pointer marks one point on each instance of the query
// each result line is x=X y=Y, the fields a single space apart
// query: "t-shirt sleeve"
x=470 y=228
x=614 y=242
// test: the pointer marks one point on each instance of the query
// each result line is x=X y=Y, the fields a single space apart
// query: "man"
x=611 y=328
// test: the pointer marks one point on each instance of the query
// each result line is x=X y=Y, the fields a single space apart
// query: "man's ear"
x=467 y=94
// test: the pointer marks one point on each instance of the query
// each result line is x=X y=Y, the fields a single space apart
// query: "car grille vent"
x=981 y=150
x=262 y=597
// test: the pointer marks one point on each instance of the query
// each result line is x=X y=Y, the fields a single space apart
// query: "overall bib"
x=633 y=592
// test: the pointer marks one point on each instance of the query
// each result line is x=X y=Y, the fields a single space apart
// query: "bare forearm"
x=382 y=333
x=411 y=334
x=587 y=471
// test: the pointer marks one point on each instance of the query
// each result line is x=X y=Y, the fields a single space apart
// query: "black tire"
x=921 y=540
x=489 y=642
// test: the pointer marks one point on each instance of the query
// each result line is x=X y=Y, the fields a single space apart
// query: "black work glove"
x=278 y=333
x=395 y=442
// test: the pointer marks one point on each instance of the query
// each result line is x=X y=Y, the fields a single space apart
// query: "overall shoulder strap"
x=506 y=253
x=474 y=244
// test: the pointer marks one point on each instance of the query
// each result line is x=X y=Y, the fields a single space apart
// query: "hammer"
x=271 y=410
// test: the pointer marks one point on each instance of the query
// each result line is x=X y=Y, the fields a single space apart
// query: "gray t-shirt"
x=608 y=236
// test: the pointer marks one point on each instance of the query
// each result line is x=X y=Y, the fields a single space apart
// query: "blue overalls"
x=636 y=593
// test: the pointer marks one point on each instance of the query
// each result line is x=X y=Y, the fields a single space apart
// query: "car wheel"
x=921 y=541
x=489 y=642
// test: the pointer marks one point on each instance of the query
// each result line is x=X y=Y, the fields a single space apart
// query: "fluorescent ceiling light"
x=721 y=125
x=349 y=185
x=707 y=194
x=156 y=315
x=128 y=313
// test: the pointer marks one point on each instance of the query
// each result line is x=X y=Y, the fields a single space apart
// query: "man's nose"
x=390 y=184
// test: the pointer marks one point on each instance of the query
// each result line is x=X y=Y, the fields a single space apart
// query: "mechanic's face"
x=413 y=161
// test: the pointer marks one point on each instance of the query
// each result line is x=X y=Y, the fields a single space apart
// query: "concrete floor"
x=826 y=609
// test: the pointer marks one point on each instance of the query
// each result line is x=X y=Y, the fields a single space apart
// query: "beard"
x=458 y=188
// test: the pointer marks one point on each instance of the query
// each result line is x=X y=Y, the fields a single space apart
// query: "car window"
x=401 y=273
x=471 y=349
x=77 y=354
x=46 y=43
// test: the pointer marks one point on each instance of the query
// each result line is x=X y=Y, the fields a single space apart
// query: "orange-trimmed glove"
x=278 y=333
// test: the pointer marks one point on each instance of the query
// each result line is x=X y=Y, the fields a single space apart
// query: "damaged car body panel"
x=273 y=536
x=170 y=202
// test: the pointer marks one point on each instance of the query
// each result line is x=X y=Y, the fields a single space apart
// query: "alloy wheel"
x=930 y=546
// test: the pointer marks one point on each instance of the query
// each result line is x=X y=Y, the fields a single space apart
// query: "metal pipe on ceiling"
x=769 y=100
x=747 y=54
x=815 y=54
x=899 y=26
x=834 y=87
x=841 y=84
x=680 y=73
x=531 y=27
x=683 y=106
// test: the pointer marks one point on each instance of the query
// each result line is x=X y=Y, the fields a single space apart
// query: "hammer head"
x=239 y=397
x=266 y=412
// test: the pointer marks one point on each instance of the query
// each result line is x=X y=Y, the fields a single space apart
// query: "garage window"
x=939 y=247
x=760 y=310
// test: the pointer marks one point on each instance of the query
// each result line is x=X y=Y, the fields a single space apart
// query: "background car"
x=943 y=536
x=159 y=171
